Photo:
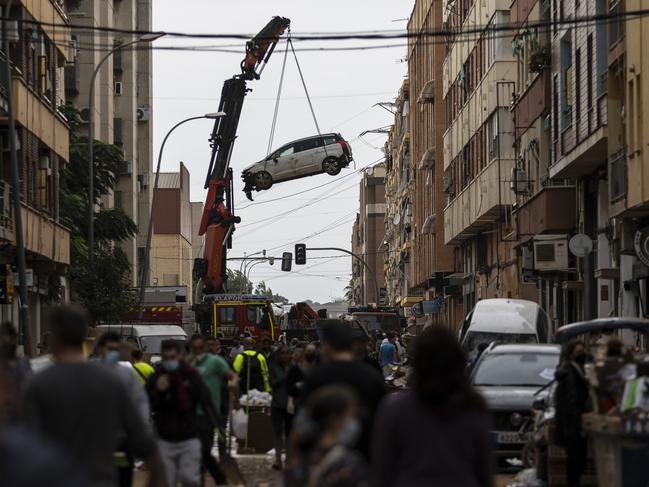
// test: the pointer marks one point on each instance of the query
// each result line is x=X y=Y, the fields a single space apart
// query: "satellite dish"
x=641 y=244
x=396 y=219
x=580 y=245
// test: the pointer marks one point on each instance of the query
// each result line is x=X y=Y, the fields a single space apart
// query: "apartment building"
x=398 y=198
x=479 y=78
x=171 y=247
x=431 y=261
x=544 y=208
x=38 y=56
x=367 y=239
x=122 y=102
x=628 y=177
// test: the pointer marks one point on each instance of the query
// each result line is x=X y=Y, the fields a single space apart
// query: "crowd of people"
x=88 y=421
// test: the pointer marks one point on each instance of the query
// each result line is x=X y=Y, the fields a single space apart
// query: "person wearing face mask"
x=176 y=392
x=321 y=452
x=108 y=352
x=571 y=401
x=214 y=371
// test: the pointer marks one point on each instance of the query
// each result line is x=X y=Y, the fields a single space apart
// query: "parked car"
x=508 y=376
x=503 y=321
x=327 y=153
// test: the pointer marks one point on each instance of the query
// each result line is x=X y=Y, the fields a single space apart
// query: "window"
x=257 y=315
x=577 y=100
x=329 y=140
x=119 y=199
x=227 y=315
x=589 y=70
x=307 y=144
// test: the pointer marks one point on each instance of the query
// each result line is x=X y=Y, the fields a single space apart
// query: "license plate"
x=512 y=437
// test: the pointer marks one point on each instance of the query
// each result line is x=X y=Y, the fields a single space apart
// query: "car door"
x=308 y=161
x=326 y=148
x=281 y=162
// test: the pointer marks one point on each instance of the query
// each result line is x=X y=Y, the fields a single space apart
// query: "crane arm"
x=218 y=219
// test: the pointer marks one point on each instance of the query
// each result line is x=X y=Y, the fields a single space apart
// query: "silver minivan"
x=147 y=338
x=504 y=321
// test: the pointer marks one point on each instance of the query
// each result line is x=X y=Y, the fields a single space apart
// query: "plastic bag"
x=240 y=424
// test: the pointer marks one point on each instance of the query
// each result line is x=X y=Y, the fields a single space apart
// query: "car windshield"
x=475 y=338
x=516 y=369
x=152 y=343
x=378 y=322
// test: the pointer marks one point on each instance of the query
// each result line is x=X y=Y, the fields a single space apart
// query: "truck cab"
x=227 y=316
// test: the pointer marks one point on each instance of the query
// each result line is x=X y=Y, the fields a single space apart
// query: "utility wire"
x=359 y=35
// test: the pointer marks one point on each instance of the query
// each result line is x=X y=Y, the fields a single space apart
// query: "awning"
x=428 y=159
x=408 y=301
x=428 y=228
x=427 y=94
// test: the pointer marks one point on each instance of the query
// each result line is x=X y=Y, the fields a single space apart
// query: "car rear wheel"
x=263 y=180
x=331 y=166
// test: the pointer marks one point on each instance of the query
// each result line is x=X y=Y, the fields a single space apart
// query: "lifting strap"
x=306 y=91
x=289 y=42
x=279 y=96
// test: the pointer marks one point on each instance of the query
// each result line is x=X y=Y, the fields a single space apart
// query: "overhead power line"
x=358 y=35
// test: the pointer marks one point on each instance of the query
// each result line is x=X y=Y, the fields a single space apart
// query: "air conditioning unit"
x=84 y=115
x=118 y=88
x=448 y=183
x=126 y=167
x=551 y=252
x=143 y=114
x=143 y=179
x=518 y=181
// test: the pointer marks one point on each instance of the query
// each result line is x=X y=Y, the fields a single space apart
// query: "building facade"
x=479 y=78
x=398 y=198
x=122 y=102
x=431 y=260
x=367 y=239
x=38 y=55
x=171 y=247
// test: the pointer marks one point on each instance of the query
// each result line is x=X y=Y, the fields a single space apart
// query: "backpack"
x=251 y=374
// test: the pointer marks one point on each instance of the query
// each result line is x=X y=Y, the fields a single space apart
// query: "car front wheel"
x=263 y=180
x=331 y=166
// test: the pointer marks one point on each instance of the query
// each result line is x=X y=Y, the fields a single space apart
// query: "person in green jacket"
x=252 y=368
x=213 y=369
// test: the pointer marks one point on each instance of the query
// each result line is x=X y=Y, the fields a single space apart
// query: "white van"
x=147 y=338
x=504 y=321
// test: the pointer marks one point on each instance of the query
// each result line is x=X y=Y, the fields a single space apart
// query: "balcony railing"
x=618 y=177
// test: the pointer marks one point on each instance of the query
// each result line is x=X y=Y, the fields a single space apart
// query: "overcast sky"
x=343 y=85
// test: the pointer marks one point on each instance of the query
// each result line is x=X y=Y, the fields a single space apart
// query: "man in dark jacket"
x=571 y=402
x=176 y=390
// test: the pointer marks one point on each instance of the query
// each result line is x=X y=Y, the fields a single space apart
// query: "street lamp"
x=149 y=235
x=91 y=137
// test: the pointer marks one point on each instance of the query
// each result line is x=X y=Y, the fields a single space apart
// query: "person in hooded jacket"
x=176 y=391
x=571 y=401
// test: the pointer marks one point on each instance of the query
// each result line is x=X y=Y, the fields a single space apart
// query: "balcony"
x=33 y=113
x=54 y=22
x=551 y=210
x=479 y=204
x=44 y=237
x=576 y=157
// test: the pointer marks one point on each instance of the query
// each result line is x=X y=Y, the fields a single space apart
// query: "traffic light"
x=300 y=254
x=287 y=261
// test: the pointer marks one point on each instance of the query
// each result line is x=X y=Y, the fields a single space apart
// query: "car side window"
x=329 y=140
x=287 y=151
x=308 y=144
